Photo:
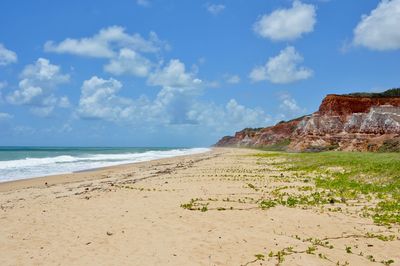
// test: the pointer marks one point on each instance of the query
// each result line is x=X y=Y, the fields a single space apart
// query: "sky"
x=183 y=73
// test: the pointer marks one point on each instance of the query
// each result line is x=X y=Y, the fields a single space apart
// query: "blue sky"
x=183 y=73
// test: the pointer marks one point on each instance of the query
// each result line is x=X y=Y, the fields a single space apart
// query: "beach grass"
x=349 y=176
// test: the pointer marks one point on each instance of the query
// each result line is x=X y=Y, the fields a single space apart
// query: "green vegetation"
x=390 y=145
x=259 y=256
x=354 y=163
x=387 y=262
x=343 y=176
x=389 y=93
x=266 y=204
x=195 y=205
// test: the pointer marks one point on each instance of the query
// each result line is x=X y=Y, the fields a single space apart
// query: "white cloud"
x=232 y=79
x=287 y=24
x=129 y=62
x=232 y=116
x=283 y=68
x=144 y=3
x=124 y=51
x=380 y=29
x=37 y=85
x=178 y=106
x=178 y=103
x=105 y=43
x=172 y=106
x=99 y=100
x=288 y=104
x=215 y=9
x=174 y=75
x=248 y=117
x=7 y=56
x=5 y=116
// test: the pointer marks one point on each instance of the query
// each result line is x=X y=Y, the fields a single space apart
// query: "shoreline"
x=77 y=176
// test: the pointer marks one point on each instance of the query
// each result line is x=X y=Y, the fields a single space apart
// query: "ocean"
x=26 y=162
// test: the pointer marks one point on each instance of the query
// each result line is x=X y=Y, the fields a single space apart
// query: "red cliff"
x=358 y=121
x=343 y=105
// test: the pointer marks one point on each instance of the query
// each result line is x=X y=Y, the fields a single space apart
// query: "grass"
x=348 y=175
x=354 y=163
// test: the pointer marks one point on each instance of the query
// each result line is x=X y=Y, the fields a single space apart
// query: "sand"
x=132 y=215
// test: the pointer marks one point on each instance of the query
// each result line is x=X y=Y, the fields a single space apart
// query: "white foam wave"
x=31 y=167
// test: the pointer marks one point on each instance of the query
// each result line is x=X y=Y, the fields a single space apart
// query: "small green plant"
x=311 y=250
x=371 y=258
x=387 y=262
x=189 y=206
x=252 y=186
x=266 y=204
x=291 y=201
x=280 y=256
x=348 y=249
x=322 y=256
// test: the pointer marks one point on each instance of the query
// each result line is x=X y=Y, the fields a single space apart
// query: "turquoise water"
x=25 y=162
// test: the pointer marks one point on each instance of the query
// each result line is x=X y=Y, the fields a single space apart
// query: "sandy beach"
x=189 y=210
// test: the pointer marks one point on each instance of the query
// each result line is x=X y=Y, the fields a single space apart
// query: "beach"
x=201 y=209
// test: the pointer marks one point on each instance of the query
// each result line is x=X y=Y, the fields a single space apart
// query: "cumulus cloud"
x=232 y=116
x=125 y=52
x=215 y=9
x=172 y=106
x=106 y=43
x=37 y=85
x=287 y=24
x=380 y=29
x=174 y=75
x=129 y=62
x=7 y=56
x=99 y=100
x=283 y=68
x=289 y=104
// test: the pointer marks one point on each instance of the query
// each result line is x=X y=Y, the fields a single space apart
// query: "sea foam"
x=63 y=164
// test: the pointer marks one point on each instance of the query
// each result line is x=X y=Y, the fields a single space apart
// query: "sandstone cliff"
x=354 y=122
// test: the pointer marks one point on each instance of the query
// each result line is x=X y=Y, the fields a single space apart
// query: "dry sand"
x=132 y=215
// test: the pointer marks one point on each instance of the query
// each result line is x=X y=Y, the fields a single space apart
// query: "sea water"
x=25 y=162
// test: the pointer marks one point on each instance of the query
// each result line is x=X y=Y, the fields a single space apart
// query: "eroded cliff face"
x=344 y=105
x=261 y=137
x=348 y=122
